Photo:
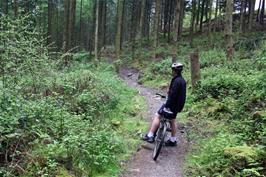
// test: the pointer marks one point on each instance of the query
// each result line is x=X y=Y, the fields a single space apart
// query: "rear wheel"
x=161 y=132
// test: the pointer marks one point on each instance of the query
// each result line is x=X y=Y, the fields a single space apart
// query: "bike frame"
x=161 y=134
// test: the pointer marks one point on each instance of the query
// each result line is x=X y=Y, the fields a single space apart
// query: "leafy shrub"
x=212 y=57
x=210 y=159
x=222 y=86
x=52 y=119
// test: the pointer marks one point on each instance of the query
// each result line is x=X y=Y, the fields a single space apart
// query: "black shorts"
x=166 y=115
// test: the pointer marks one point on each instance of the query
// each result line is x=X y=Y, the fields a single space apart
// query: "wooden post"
x=195 y=68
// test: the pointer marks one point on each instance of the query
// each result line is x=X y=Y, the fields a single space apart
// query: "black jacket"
x=176 y=94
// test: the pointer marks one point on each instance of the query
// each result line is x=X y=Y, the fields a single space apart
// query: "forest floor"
x=171 y=159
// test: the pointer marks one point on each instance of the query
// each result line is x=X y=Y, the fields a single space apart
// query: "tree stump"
x=195 y=69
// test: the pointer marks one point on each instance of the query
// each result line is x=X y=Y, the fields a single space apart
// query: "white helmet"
x=177 y=66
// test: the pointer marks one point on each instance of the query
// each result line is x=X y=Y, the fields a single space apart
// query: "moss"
x=63 y=173
x=243 y=155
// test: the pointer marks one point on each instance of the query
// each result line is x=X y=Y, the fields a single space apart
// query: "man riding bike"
x=176 y=97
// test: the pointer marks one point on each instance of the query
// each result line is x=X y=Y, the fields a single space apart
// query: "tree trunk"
x=147 y=19
x=96 y=32
x=123 y=35
x=245 y=16
x=177 y=19
x=216 y=15
x=195 y=69
x=228 y=29
x=242 y=15
x=192 y=22
x=251 y=14
x=170 y=17
x=66 y=29
x=5 y=6
x=156 y=25
x=119 y=28
x=258 y=12
x=165 y=12
x=207 y=9
x=133 y=28
x=262 y=12
x=141 y=23
x=80 y=24
x=15 y=8
x=72 y=23
x=104 y=13
x=198 y=14
x=202 y=14
x=182 y=14
x=58 y=37
x=50 y=16
x=209 y=16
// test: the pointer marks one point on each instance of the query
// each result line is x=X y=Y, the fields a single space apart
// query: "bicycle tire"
x=161 y=133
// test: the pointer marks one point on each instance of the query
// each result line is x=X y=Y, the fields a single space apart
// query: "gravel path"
x=170 y=160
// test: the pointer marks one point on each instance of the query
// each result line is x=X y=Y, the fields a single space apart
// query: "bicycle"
x=161 y=134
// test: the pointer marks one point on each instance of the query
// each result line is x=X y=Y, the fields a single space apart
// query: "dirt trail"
x=170 y=161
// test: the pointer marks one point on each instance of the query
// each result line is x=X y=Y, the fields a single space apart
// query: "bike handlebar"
x=161 y=95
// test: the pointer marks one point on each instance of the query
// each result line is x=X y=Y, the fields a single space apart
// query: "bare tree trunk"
x=133 y=28
x=195 y=69
x=192 y=22
x=80 y=24
x=177 y=19
x=123 y=35
x=182 y=14
x=165 y=12
x=245 y=16
x=119 y=28
x=202 y=14
x=216 y=15
x=96 y=33
x=58 y=37
x=242 y=15
x=66 y=29
x=66 y=41
x=72 y=18
x=147 y=19
x=258 y=13
x=50 y=12
x=170 y=17
x=198 y=14
x=262 y=12
x=206 y=9
x=141 y=23
x=104 y=12
x=228 y=29
x=209 y=16
x=5 y=6
x=156 y=25
x=251 y=14
x=15 y=8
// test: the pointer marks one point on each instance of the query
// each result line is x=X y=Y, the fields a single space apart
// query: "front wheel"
x=161 y=132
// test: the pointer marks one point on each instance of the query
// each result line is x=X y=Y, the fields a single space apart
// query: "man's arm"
x=173 y=94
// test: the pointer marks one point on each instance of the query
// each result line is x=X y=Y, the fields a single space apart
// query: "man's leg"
x=155 y=123
x=173 y=128
x=154 y=126
x=173 y=139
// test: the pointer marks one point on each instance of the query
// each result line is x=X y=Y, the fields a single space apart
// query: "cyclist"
x=176 y=97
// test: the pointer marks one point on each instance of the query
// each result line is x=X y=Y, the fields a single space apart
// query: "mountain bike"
x=161 y=133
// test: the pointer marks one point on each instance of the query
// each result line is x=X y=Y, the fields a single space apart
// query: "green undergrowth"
x=84 y=119
x=76 y=120
x=225 y=115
